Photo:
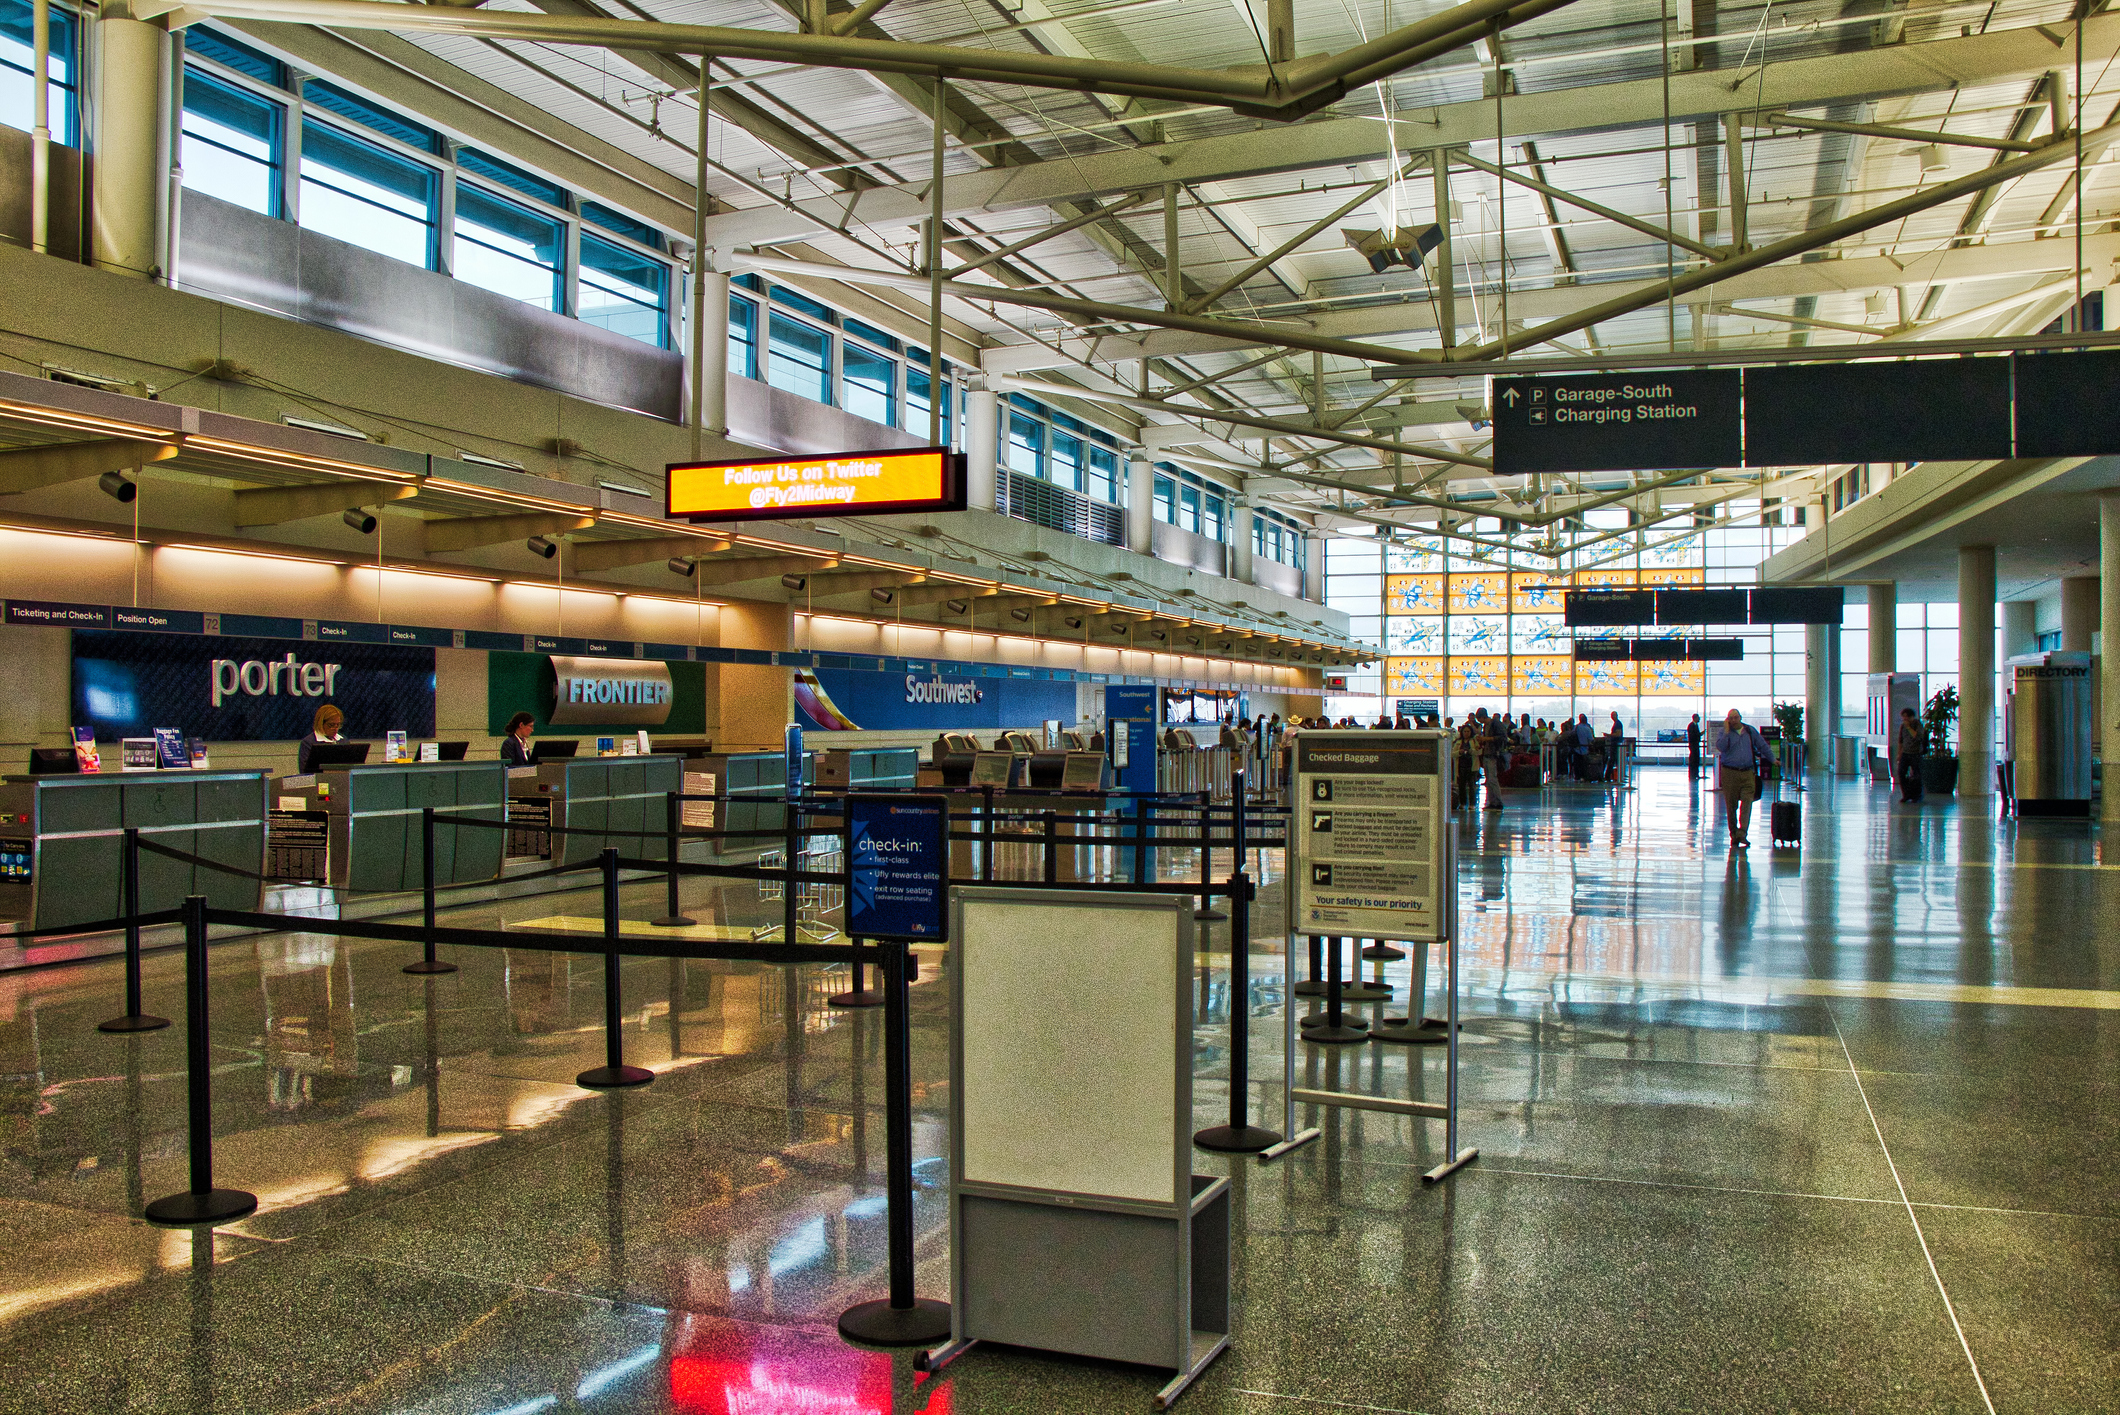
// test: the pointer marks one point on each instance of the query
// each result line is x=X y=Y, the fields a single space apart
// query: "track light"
x=957 y=606
x=794 y=582
x=1118 y=626
x=542 y=548
x=1072 y=622
x=1157 y=634
x=883 y=596
x=358 y=520
x=681 y=566
x=117 y=486
x=1021 y=616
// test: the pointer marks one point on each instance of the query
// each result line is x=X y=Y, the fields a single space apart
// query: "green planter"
x=1939 y=775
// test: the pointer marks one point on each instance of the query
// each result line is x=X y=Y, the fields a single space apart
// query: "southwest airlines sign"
x=850 y=484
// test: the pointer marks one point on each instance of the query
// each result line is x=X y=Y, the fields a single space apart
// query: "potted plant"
x=1939 y=762
x=1791 y=752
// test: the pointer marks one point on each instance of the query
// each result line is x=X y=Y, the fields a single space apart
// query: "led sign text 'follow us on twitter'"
x=848 y=484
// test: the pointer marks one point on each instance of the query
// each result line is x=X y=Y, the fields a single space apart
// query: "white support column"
x=131 y=154
x=1818 y=715
x=2079 y=612
x=710 y=352
x=2108 y=707
x=2020 y=627
x=1239 y=563
x=1140 y=506
x=1884 y=628
x=1313 y=566
x=1976 y=670
x=982 y=446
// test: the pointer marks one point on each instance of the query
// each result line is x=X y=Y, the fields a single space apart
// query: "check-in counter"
x=62 y=837
x=595 y=794
x=373 y=813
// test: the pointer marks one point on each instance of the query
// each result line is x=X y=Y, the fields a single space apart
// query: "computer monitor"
x=992 y=768
x=330 y=754
x=53 y=761
x=451 y=751
x=553 y=748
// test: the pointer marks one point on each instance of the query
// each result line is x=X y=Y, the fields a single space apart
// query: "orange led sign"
x=847 y=484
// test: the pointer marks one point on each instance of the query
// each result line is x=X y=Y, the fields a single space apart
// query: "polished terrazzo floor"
x=1759 y=1130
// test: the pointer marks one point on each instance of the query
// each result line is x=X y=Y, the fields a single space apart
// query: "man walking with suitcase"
x=1741 y=756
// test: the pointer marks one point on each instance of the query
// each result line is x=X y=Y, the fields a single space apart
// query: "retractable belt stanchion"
x=673 y=916
x=614 y=1073
x=136 y=1017
x=1361 y=989
x=859 y=995
x=902 y=1319
x=1141 y=819
x=428 y=963
x=792 y=838
x=1052 y=847
x=202 y=1204
x=1240 y=1136
x=986 y=834
x=1314 y=985
x=1333 y=1025
x=1207 y=913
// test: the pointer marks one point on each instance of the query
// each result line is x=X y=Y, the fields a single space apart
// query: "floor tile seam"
x=1914 y=1218
x=2113 y=1218
x=1654 y=1183
x=1327 y=1404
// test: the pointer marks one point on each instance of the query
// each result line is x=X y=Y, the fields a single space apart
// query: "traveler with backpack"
x=1913 y=741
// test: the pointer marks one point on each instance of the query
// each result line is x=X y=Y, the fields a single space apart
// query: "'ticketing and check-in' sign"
x=848 y=484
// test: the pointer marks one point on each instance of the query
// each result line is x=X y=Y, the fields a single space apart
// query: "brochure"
x=170 y=749
x=138 y=754
x=394 y=747
x=86 y=758
x=430 y=751
x=607 y=746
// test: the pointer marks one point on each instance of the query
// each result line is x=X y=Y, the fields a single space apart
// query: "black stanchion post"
x=136 y=1018
x=614 y=1073
x=792 y=838
x=1334 y=1025
x=1052 y=848
x=1207 y=913
x=1240 y=1136
x=673 y=911
x=902 y=1319
x=986 y=834
x=1141 y=841
x=202 y=1204
x=428 y=962
x=1314 y=985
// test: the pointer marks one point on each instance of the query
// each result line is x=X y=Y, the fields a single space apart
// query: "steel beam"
x=471 y=532
x=276 y=505
x=28 y=468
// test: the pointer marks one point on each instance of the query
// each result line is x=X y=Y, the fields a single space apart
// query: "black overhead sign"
x=1659 y=650
x=1592 y=608
x=1784 y=604
x=1617 y=422
x=1791 y=415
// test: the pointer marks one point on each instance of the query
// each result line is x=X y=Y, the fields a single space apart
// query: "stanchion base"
x=1405 y=1029
x=1365 y=991
x=1450 y=1166
x=196 y=1210
x=1336 y=1036
x=1313 y=988
x=867 y=997
x=1208 y=916
x=607 y=1078
x=1317 y=1019
x=1384 y=951
x=133 y=1022
x=423 y=966
x=924 y=1323
x=673 y=921
x=1237 y=1139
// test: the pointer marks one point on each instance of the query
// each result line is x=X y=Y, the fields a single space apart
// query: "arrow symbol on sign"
x=1510 y=396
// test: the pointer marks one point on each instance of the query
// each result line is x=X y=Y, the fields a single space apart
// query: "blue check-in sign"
x=899 y=867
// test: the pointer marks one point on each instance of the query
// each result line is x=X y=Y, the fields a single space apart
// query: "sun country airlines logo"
x=941 y=690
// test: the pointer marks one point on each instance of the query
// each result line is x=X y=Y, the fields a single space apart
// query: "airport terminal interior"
x=822 y=708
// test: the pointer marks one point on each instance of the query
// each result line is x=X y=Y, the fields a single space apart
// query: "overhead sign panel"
x=1684 y=607
x=1927 y=410
x=1798 y=604
x=848 y=484
x=1617 y=422
x=2068 y=405
x=1595 y=608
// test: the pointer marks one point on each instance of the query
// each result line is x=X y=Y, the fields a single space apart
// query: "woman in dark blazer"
x=515 y=746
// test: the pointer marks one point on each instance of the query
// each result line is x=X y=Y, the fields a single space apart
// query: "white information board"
x=1074 y=1035
x=1367 y=830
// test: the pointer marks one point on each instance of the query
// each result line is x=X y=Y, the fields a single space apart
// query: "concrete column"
x=710 y=352
x=2079 y=612
x=982 y=447
x=1976 y=670
x=1239 y=563
x=753 y=702
x=1818 y=715
x=2108 y=694
x=1314 y=567
x=131 y=156
x=1884 y=628
x=2020 y=627
x=1140 y=506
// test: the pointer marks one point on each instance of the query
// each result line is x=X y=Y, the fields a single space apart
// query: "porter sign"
x=1367 y=834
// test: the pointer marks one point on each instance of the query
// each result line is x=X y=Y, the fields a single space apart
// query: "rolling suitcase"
x=1785 y=824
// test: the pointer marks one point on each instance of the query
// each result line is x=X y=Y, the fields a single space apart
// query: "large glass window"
x=358 y=192
x=505 y=174
x=1166 y=500
x=626 y=293
x=1026 y=444
x=211 y=44
x=508 y=248
x=355 y=109
x=597 y=214
x=1211 y=516
x=1103 y=473
x=1189 y=509
x=871 y=384
x=799 y=358
x=231 y=143
x=1064 y=467
x=916 y=396
x=743 y=337
x=18 y=55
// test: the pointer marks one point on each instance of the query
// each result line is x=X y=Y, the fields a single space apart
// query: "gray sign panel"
x=1618 y=422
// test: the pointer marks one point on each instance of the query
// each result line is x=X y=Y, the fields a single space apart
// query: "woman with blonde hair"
x=323 y=731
